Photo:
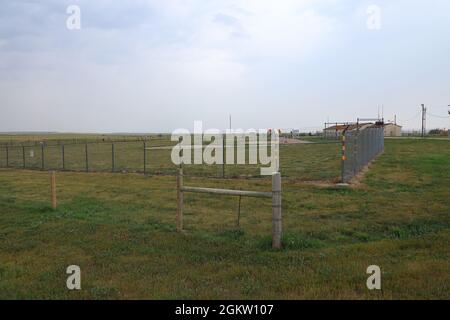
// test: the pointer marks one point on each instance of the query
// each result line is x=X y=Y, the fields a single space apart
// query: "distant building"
x=335 y=132
x=392 y=130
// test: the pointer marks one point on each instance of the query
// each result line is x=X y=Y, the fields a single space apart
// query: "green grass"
x=120 y=229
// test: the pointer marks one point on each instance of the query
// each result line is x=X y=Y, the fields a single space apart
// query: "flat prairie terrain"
x=120 y=229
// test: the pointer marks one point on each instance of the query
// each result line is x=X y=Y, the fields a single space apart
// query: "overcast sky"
x=154 y=66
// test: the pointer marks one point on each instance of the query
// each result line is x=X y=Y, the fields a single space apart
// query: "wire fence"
x=359 y=147
x=122 y=156
x=313 y=161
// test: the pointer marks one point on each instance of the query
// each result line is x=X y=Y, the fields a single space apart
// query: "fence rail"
x=359 y=147
x=275 y=195
x=228 y=192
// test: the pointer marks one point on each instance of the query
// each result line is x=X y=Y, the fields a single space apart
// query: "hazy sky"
x=152 y=66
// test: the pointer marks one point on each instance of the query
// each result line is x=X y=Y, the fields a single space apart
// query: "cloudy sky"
x=153 y=66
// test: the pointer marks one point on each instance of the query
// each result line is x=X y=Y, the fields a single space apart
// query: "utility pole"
x=230 y=122
x=424 y=119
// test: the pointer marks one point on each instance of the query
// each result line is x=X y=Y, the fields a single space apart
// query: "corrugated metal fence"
x=359 y=147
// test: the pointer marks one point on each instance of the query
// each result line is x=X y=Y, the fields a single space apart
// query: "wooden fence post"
x=276 y=211
x=180 y=201
x=239 y=212
x=113 y=158
x=87 y=158
x=53 y=189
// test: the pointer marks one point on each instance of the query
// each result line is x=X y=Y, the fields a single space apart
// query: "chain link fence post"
x=42 y=156
x=223 y=155
x=23 y=156
x=343 y=158
x=7 y=156
x=145 y=156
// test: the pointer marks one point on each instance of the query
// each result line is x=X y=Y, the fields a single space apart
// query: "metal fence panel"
x=15 y=156
x=3 y=161
x=129 y=156
x=359 y=148
x=53 y=157
x=74 y=157
x=100 y=156
x=315 y=161
x=33 y=156
x=158 y=160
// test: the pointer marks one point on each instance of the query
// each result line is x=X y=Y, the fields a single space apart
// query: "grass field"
x=120 y=229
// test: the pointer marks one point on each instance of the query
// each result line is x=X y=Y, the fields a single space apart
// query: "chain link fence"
x=359 y=147
x=308 y=162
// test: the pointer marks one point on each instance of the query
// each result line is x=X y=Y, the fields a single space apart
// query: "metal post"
x=7 y=156
x=276 y=211
x=355 y=151
x=366 y=147
x=63 y=157
x=360 y=150
x=23 y=156
x=223 y=155
x=424 y=111
x=113 y=158
x=42 y=157
x=53 y=189
x=87 y=159
x=180 y=201
x=344 y=158
x=239 y=211
x=145 y=157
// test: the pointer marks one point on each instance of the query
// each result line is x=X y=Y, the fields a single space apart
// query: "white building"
x=392 y=130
